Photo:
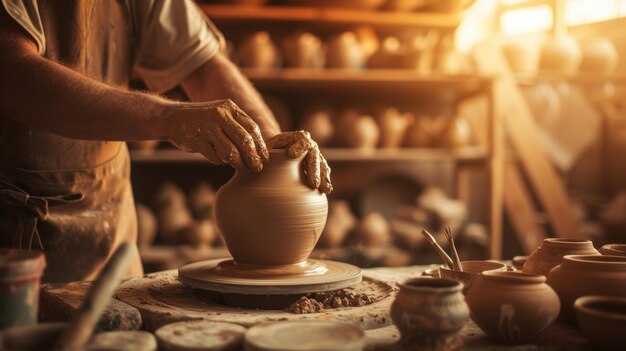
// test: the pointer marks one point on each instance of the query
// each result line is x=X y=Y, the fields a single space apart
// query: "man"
x=65 y=114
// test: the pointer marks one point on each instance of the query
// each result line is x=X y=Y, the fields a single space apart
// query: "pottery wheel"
x=227 y=277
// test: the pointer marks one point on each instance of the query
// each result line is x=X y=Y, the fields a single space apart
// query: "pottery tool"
x=455 y=254
x=440 y=251
x=81 y=327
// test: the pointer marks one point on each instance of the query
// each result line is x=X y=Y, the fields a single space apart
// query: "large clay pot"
x=271 y=218
x=430 y=312
x=580 y=275
x=512 y=307
x=599 y=55
x=550 y=253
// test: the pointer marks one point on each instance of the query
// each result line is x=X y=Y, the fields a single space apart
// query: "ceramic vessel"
x=303 y=50
x=319 y=123
x=512 y=307
x=344 y=51
x=457 y=133
x=393 y=126
x=613 y=249
x=258 y=51
x=471 y=272
x=430 y=312
x=550 y=253
x=271 y=218
x=602 y=320
x=519 y=261
x=580 y=275
x=357 y=131
x=599 y=55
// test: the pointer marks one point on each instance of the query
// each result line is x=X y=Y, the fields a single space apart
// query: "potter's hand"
x=315 y=166
x=220 y=131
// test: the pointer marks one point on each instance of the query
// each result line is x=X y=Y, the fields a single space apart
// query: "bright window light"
x=588 y=11
x=527 y=20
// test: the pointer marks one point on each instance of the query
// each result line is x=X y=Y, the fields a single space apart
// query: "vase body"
x=273 y=217
x=430 y=312
x=512 y=307
x=580 y=275
x=550 y=253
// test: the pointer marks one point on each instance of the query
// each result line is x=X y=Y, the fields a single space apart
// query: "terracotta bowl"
x=33 y=337
x=602 y=320
x=613 y=249
x=471 y=271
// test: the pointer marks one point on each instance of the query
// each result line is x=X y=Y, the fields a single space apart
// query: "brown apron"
x=72 y=198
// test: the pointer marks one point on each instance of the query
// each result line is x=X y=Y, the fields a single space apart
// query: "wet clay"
x=316 y=302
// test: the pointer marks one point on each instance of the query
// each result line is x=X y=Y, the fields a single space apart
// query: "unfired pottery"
x=599 y=55
x=613 y=249
x=258 y=51
x=602 y=320
x=357 y=131
x=318 y=122
x=560 y=55
x=344 y=51
x=550 y=253
x=304 y=336
x=580 y=275
x=425 y=131
x=471 y=272
x=303 y=50
x=392 y=125
x=512 y=307
x=430 y=312
x=271 y=218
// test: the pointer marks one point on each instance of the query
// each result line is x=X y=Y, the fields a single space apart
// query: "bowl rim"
x=581 y=306
x=517 y=277
x=452 y=285
x=598 y=259
x=499 y=268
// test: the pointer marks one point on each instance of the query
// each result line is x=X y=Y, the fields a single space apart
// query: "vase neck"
x=279 y=171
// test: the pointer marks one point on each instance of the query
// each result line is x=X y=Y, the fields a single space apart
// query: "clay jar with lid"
x=580 y=275
x=550 y=253
x=430 y=312
x=273 y=217
x=512 y=307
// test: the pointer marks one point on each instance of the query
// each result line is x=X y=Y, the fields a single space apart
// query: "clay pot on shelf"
x=200 y=233
x=602 y=320
x=425 y=132
x=471 y=272
x=340 y=223
x=512 y=307
x=580 y=275
x=389 y=55
x=258 y=51
x=418 y=55
x=550 y=253
x=560 y=54
x=367 y=37
x=303 y=50
x=357 y=131
x=430 y=312
x=318 y=122
x=613 y=250
x=599 y=55
x=344 y=51
x=373 y=231
x=457 y=133
x=172 y=212
x=392 y=125
x=273 y=217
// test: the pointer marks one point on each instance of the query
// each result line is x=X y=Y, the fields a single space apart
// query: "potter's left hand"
x=299 y=143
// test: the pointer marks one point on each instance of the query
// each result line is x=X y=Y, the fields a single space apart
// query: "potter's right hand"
x=220 y=131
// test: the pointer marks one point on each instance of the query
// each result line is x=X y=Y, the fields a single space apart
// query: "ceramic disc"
x=200 y=335
x=304 y=336
x=226 y=276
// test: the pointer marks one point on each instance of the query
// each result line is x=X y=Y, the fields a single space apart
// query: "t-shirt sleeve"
x=174 y=39
x=26 y=14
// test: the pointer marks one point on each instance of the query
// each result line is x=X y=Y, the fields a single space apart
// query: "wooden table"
x=60 y=301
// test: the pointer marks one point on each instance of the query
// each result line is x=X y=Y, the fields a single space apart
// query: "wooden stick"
x=81 y=327
x=455 y=254
x=440 y=251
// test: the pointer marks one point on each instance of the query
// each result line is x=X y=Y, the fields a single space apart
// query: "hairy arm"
x=217 y=79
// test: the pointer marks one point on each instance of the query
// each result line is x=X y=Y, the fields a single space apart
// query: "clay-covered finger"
x=325 y=184
x=302 y=144
x=312 y=167
x=228 y=152
x=253 y=129
x=281 y=141
x=244 y=143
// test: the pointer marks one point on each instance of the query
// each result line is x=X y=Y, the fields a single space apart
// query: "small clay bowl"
x=32 y=337
x=318 y=335
x=518 y=262
x=613 y=249
x=471 y=271
x=602 y=319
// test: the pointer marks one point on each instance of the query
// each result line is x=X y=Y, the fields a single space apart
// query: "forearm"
x=219 y=79
x=44 y=95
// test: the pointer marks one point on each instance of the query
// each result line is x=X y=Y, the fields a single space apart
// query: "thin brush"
x=455 y=254
x=440 y=251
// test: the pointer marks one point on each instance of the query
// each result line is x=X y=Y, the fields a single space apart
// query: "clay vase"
x=457 y=133
x=425 y=131
x=613 y=250
x=273 y=217
x=602 y=320
x=392 y=125
x=357 y=131
x=560 y=55
x=303 y=50
x=550 y=253
x=599 y=55
x=390 y=54
x=258 y=51
x=580 y=275
x=344 y=51
x=430 y=312
x=512 y=307
x=318 y=122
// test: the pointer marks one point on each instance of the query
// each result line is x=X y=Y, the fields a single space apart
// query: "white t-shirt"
x=175 y=38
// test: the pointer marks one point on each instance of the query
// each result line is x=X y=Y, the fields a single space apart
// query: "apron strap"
x=35 y=209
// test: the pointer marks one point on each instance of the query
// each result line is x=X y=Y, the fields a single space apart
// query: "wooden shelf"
x=465 y=155
x=379 y=79
x=233 y=13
